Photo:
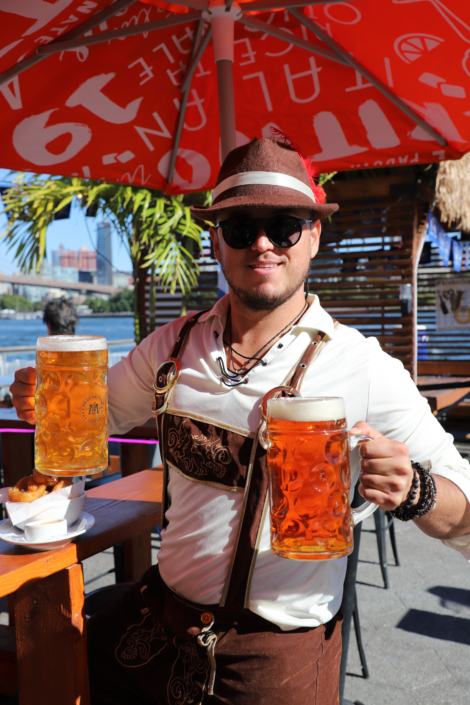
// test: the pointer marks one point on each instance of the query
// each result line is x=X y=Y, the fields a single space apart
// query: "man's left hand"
x=386 y=472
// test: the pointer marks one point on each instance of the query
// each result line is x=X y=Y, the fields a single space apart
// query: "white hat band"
x=265 y=178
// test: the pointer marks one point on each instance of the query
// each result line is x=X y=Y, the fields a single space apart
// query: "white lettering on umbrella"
x=359 y=84
x=6 y=49
x=284 y=51
x=87 y=6
x=266 y=131
x=197 y=103
x=40 y=10
x=90 y=96
x=380 y=132
x=81 y=53
x=11 y=93
x=201 y=169
x=188 y=34
x=165 y=50
x=250 y=54
x=332 y=138
x=438 y=117
x=200 y=71
x=264 y=88
x=172 y=74
x=146 y=74
x=144 y=131
x=341 y=16
x=32 y=135
x=313 y=72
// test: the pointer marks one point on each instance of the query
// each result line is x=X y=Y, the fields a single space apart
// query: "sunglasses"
x=282 y=230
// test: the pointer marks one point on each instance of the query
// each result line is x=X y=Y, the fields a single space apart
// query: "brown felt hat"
x=263 y=173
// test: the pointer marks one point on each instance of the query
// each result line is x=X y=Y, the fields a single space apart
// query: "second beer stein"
x=308 y=450
x=71 y=405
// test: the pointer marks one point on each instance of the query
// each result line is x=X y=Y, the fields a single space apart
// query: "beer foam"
x=300 y=409
x=71 y=343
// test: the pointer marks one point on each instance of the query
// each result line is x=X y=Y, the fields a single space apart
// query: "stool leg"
x=391 y=528
x=380 y=531
x=357 y=629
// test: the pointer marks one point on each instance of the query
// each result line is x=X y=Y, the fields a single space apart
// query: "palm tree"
x=158 y=230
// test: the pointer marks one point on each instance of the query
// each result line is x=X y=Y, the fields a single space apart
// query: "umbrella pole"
x=222 y=22
x=226 y=106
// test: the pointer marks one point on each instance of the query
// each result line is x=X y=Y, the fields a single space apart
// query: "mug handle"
x=367 y=508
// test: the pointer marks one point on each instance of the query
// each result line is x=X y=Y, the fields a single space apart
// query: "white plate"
x=10 y=534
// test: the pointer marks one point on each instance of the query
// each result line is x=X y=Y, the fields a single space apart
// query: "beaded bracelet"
x=427 y=498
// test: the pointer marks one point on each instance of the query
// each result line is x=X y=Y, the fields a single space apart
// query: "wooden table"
x=444 y=395
x=49 y=590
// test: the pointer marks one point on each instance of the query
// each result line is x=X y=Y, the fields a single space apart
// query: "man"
x=222 y=619
x=60 y=317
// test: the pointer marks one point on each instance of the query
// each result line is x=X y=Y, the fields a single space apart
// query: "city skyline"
x=71 y=232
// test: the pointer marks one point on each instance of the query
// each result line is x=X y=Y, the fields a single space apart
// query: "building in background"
x=104 y=254
x=83 y=259
x=122 y=280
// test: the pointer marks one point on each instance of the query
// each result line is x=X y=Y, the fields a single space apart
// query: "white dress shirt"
x=202 y=520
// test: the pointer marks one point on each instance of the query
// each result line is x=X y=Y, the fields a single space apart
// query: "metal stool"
x=350 y=613
x=380 y=529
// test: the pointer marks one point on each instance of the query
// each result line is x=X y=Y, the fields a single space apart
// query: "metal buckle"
x=176 y=373
x=277 y=390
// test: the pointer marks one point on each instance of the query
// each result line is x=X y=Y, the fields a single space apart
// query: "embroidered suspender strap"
x=307 y=358
x=237 y=589
x=168 y=372
x=163 y=386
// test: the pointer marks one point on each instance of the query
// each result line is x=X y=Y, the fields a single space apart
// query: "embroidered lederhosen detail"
x=203 y=451
x=216 y=456
x=165 y=379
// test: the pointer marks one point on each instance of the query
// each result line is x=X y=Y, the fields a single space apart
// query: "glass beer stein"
x=71 y=405
x=308 y=450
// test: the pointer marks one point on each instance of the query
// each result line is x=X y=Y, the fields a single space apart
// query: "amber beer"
x=309 y=477
x=71 y=405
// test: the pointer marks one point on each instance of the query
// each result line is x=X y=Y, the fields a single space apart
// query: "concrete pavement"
x=416 y=635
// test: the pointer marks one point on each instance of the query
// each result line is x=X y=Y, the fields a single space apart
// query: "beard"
x=261 y=300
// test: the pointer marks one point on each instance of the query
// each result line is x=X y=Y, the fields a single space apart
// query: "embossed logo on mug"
x=93 y=408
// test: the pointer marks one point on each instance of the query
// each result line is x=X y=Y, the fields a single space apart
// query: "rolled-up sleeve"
x=397 y=409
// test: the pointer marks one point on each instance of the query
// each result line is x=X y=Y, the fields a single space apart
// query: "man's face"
x=264 y=276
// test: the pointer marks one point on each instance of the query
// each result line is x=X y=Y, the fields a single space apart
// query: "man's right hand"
x=22 y=391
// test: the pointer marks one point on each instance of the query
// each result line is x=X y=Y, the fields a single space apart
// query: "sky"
x=72 y=233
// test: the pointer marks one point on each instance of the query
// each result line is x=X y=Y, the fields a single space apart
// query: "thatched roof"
x=453 y=193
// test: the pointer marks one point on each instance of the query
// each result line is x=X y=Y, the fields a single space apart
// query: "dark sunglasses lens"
x=239 y=233
x=283 y=230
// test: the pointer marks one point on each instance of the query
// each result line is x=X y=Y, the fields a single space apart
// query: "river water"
x=27 y=332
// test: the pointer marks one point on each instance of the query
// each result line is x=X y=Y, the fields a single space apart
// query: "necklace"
x=234 y=377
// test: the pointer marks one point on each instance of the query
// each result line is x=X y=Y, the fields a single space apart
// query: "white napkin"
x=22 y=511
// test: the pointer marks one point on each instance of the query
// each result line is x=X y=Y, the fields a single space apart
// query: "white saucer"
x=10 y=534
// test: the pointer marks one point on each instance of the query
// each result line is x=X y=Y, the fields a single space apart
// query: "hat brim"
x=276 y=202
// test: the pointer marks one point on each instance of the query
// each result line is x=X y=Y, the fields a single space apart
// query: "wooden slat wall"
x=432 y=345
x=167 y=306
x=365 y=256
x=366 y=253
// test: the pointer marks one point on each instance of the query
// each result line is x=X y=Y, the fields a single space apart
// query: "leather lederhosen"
x=166 y=650
x=222 y=457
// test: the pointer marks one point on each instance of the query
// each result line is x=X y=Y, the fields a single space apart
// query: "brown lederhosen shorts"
x=144 y=652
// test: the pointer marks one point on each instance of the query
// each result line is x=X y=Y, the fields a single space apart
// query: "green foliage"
x=122 y=301
x=323 y=178
x=98 y=305
x=17 y=303
x=147 y=221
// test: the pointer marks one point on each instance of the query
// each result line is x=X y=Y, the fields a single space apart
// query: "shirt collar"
x=316 y=318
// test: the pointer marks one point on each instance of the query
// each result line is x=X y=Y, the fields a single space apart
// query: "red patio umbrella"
x=128 y=91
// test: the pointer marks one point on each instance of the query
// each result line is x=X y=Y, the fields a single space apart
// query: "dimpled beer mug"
x=71 y=405
x=308 y=450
